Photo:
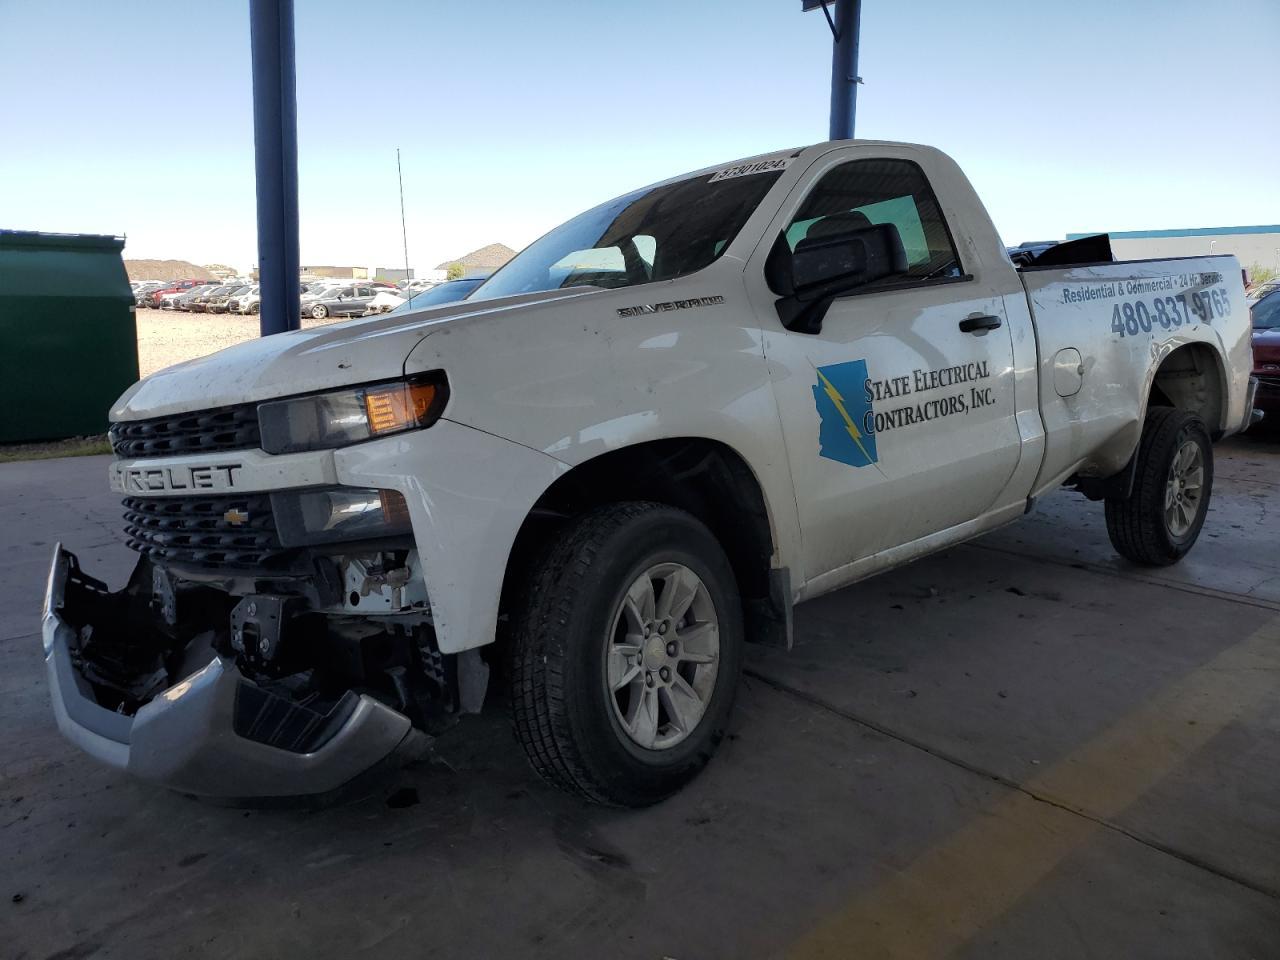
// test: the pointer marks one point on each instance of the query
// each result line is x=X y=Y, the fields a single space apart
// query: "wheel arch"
x=1193 y=378
x=704 y=477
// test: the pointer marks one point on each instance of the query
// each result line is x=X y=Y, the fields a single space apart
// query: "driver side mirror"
x=822 y=268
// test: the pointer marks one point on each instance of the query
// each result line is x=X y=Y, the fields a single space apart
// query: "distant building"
x=393 y=274
x=1250 y=245
x=482 y=261
x=221 y=271
x=337 y=273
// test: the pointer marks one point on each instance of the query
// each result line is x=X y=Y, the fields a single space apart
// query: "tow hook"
x=257 y=623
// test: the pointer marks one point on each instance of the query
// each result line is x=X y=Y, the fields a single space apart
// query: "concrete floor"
x=1019 y=748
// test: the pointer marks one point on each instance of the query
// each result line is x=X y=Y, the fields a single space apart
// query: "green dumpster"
x=70 y=344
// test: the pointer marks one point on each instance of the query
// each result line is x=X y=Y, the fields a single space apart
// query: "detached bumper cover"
x=185 y=737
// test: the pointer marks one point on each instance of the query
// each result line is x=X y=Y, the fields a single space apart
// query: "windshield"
x=657 y=233
x=450 y=291
x=1266 y=312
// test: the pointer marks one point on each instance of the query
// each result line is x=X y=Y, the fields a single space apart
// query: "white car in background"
x=387 y=300
x=247 y=303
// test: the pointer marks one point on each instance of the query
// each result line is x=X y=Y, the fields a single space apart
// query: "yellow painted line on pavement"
x=961 y=886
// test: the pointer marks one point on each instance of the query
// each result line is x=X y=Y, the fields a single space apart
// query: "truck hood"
x=320 y=358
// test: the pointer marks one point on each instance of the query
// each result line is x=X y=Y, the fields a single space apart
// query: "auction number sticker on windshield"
x=746 y=169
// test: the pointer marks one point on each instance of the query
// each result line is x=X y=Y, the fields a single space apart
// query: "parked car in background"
x=1264 y=289
x=349 y=301
x=178 y=299
x=217 y=303
x=201 y=303
x=451 y=291
x=142 y=292
x=247 y=301
x=1265 y=317
x=320 y=290
x=410 y=287
x=184 y=301
x=384 y=301
x=176 y=286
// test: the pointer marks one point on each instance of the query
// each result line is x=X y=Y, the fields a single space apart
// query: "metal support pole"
x=275 y=139
x=844 y=68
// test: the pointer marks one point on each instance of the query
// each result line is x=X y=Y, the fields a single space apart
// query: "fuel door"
x=1068 y=372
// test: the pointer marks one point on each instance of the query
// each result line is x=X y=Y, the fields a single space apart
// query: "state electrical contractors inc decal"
x=847 y=400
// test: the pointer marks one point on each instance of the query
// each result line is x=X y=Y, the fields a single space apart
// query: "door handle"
x=984 y=322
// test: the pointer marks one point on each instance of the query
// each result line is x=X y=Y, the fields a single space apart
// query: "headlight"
x=325 y=420
x=305 y=517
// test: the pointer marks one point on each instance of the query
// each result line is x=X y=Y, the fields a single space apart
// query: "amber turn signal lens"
x=395 y=512
x=398 y=406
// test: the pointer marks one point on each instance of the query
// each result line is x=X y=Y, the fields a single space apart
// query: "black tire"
x=319 y=311
x=1137 y=524
x=563 y=714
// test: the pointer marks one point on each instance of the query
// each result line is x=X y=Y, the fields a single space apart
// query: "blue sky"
x=135 y=117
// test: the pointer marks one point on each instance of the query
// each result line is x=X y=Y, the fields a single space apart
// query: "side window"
x=865 y=193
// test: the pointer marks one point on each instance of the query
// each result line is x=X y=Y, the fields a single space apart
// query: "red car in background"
x=176 y=287
x=1265 y=315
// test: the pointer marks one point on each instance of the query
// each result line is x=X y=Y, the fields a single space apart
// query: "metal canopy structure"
x=845 y=28
x=275 y=138
x=275 y=143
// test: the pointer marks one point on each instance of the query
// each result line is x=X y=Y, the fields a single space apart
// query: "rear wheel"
x=1161 y=519
x=627 y=648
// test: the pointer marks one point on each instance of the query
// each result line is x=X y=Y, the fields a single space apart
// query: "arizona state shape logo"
x=847 y=430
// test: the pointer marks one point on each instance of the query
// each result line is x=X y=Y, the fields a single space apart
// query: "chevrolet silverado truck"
x=633 y=450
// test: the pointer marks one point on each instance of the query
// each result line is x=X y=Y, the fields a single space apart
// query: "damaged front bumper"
x=213 y=732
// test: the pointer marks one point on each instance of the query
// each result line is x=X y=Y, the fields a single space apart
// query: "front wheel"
x=1161 y=519
x=319 y=311
x=626 y=652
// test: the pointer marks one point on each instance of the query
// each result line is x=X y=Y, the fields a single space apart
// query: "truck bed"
x=1102 y=332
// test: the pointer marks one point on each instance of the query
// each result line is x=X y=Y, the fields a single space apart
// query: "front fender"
x=468 y=494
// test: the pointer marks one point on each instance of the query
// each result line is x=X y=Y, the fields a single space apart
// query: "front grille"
x=204 y=431
x=200 y=531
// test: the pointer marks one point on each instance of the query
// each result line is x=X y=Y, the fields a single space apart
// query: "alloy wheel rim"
x=662 y=656
x=1184 y=489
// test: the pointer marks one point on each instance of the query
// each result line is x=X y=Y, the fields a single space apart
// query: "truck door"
x=898 y=414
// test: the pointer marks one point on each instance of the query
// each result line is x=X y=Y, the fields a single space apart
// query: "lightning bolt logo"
x=849 y=425
x=846 y=420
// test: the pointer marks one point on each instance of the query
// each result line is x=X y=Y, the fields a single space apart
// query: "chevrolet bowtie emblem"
x=236 y=517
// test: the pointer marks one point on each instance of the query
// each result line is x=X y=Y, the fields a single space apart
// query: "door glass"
x=864 y=193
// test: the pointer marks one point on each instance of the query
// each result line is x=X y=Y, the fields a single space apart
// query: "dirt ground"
x=166 y=337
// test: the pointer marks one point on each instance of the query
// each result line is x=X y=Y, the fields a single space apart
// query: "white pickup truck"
x=630 y=452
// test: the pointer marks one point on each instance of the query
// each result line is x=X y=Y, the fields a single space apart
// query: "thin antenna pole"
x=404 y=232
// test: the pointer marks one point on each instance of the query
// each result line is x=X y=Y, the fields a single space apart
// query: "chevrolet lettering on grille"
x=216 y=476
